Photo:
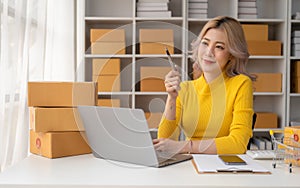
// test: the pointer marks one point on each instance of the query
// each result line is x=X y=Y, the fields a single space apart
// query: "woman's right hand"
x=172 y=83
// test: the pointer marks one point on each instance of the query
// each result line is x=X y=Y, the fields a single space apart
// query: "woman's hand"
x=170 y=146
x=172 y=83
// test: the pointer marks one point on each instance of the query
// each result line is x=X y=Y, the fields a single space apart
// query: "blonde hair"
x=237 y=44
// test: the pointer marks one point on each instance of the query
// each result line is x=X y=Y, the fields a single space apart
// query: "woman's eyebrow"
x=218 y=42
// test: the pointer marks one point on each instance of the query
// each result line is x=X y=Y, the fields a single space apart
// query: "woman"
x=214 y=111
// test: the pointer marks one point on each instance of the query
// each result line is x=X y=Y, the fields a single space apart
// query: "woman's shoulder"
x=241 y=78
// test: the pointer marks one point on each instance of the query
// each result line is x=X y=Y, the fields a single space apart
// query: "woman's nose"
x=209 y=51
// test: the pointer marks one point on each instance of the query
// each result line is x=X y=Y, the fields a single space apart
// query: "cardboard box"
x=152 y=78
x=268 y=82
x=256 y=32
x=108 y=83
x=295 y=69
x=106 y=66
x=58 y=144
x=152 y=85
x=266 y=120
x=55 y=119
x=156 y=47
x=156 y=35
x=153 y=119
x=155 y=41
x=272 y=48
x=292 y=136
x=154 y=72
x=109 y=102
x=295 y=84
x=63 y=94
x=107 y=35
x=108 y=48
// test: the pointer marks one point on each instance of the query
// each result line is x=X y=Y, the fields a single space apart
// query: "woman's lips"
x=208 y=61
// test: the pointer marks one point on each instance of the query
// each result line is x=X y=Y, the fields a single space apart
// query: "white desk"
x=87 y=171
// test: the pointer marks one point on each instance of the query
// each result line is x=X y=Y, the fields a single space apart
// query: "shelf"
x=275 y=13
x=268 y=93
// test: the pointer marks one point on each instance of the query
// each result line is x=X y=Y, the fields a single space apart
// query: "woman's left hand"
x=169 y=145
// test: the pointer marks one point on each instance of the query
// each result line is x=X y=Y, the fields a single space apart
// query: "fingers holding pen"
x=172 y=81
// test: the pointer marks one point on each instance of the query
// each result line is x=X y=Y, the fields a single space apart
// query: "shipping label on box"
x=256 y=32
x=109 y=102
x=55 y=119
x=156 y=35
x=108 y=48
x=58 y=144
x=62 y=94
x=108 y=83
x=272 y=48
x=107 y=35
x=106 y=66
x=268 y=82
x=266 y=120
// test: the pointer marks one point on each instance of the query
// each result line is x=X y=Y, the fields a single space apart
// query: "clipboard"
x=212 y=164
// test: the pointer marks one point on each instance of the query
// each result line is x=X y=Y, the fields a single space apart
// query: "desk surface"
x=87 y=171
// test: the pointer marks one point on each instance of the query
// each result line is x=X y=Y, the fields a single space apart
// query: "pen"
x=170 y=60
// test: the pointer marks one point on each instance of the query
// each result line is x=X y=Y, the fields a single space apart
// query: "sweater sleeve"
x=241 y=127
x=171 y=128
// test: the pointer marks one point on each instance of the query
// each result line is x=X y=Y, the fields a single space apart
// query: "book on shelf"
x=247 y=10
x=153 y=1
x=247 y=4
x=195 y=15
x=197 y=11
x=247 y=16
x=198 y=5
x=154 y=14
x=152 y=8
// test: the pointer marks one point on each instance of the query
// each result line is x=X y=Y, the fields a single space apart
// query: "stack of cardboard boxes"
x=258 y=44
x=56 y=129
x=155 y=41
x=106 y=72
x=295 y=87
x=107 y=41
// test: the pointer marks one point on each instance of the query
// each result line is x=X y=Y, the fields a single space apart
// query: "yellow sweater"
x=221 y=110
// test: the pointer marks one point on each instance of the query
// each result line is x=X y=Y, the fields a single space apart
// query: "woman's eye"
x=220 y=47
x=204 y=43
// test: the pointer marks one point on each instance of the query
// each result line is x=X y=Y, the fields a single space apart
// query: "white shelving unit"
x=122 y=14
x=293 y=99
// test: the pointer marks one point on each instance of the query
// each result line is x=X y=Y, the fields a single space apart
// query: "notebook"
x=122 y=134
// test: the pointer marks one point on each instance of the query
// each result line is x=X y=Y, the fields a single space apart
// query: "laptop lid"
x=120 y=134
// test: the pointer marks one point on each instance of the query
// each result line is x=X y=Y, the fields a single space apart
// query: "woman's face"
x=213 y=52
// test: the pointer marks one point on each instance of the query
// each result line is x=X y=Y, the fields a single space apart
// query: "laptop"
x=122 y=134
